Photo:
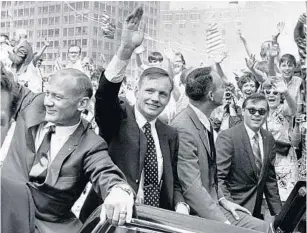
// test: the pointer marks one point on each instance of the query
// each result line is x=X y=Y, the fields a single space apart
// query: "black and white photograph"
x=153 y=116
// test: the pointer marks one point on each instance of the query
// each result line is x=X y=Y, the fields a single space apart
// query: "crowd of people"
x=182 y=138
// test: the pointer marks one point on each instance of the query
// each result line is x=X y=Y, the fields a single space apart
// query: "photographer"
x=229 y=114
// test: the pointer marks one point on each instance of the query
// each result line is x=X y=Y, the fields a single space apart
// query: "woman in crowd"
x=247 y=85
x=279 y=123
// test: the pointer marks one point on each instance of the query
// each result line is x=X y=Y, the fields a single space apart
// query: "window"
x=108 y=8
x=31 y=21
x=38 y=44
x=78 y=31
x=20 y=12
x=50 y=44
x=25 y=22
x=65 y=32
x=27 y=12
x=78 y=18
x=106 y=45
x=85 y=17
x=66 y=9
x=65 y=43
x=57 y=32
x=85 y=30
x=19 y=23
x=44 y=33
x=56 y=43
x=49 y=56
x=45 y=21
x=15 y=13
x=84 y=54
x=94 y=43
x=84 y=42
x=51 y=9
x=99 y=44
x=32 y=11
x=51 y=21
x=94 y=55
x=8 y=24
x=70 y=42
x=38 y=33
x=64 y=55
x=65 y=19
x=78 y=42
x=71 y=31
x=85 y=5
x=71 y=19
x=45 y=9
x=96 y=5
x=4 y=4
x=95 y=31
x=57 y=20
x=50 y=32
x=40 y=10
x=39 y=21
x=79 y=6
x=58 y=8
x=102 y=6
x=2 y=24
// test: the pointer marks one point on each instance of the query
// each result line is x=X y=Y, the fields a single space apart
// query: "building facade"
x=67 y=22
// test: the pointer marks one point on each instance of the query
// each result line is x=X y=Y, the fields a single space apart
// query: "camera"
x=228 y=94
x=301 y=118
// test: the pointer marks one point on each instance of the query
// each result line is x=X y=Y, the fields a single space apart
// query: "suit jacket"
x=237 y=170
x=21 y=57
x=196 y=167
x=128 y=144
x=83 y=157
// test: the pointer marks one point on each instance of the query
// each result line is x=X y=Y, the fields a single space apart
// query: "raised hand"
x=140 y=49
x=132 y=36
x=169 y=52
x=273 y=50
x=280 y=85
x=46 y=42
x=250 y=62
x=280 y=27
x=241 y=36
x=220 y=57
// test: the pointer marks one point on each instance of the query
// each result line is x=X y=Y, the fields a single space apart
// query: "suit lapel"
x=266 y=149
x=69 y=146
x=201 y=129
x=248 y=148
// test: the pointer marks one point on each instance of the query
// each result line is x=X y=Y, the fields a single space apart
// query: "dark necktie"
x=257 y=154
x=151 y=182
x=213 y=154
x=38 y=171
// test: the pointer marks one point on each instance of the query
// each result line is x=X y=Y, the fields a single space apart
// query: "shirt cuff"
x=115 y=71
x=222 y=198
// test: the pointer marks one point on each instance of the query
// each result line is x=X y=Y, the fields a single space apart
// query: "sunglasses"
x=270 y=91
x=253 y=111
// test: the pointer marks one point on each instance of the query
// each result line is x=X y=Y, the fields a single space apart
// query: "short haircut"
x=5 y=36
x=74 y=45
x=11 y=87
x=245 y=78
x=287 y=58
x=155 y=56
x=267 y=85
x=181 y=56
x=83 y=86
x=198 y=83
x=256 y=97
x=155 y=73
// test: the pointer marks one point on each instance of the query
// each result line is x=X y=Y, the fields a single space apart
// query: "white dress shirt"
x=58 y=139
x=251 y=134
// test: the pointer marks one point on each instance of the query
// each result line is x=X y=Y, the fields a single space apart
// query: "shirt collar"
x=251 y=133
x=202 y=117
x=141 y=120
x=63 y=130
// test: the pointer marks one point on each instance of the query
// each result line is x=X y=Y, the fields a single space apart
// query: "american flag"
x=213 y=39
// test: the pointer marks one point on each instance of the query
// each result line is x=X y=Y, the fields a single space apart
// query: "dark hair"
x=198 y=83
x=5 y=36
x=181 y=56
x=74 y=45
x=11 y=87
x=287 y=58
x=245 y=78
x=155 y=56
x=154 y=73
x=256 y=97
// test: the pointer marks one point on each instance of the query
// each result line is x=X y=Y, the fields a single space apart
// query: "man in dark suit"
x=245 y=160
x=22 y=54
x=143 y=147
x=54 y=153
x=196 y=157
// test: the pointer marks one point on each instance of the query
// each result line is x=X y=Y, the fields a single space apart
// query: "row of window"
x=48 y=33
x=76 y=6
x=52 y=21
x=49 y=9
x=52 y=44
x=77 y=31
x=80 y=42
x=72 y=19
x=24 y=12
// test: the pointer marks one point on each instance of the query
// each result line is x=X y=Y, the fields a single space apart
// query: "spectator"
x=247 y=85
x=154 y=59
x=74 y=58
x=22 y=53
x=5 y=46
x=279 y=123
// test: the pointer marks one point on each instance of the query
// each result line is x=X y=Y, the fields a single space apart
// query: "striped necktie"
x=38 y=171
x=257 y=153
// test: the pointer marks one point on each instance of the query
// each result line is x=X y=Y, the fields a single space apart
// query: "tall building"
x=67 y=22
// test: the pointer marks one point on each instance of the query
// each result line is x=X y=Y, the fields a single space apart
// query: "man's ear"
x=210 y=96
x=136 y=91
x=83 y=103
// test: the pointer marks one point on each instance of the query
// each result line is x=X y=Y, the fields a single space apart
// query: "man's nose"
x=48 y=101
x=155 y=96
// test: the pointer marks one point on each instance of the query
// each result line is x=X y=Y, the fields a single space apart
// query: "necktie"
x=257 y=154
x=213 y=154
x=38 y=171
x=151 y=183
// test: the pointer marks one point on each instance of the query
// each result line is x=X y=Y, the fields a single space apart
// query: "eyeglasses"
x=270 y=91
x=253 y=111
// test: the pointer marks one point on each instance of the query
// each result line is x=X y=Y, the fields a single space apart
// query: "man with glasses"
x=74 y=57
x=245 y=160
